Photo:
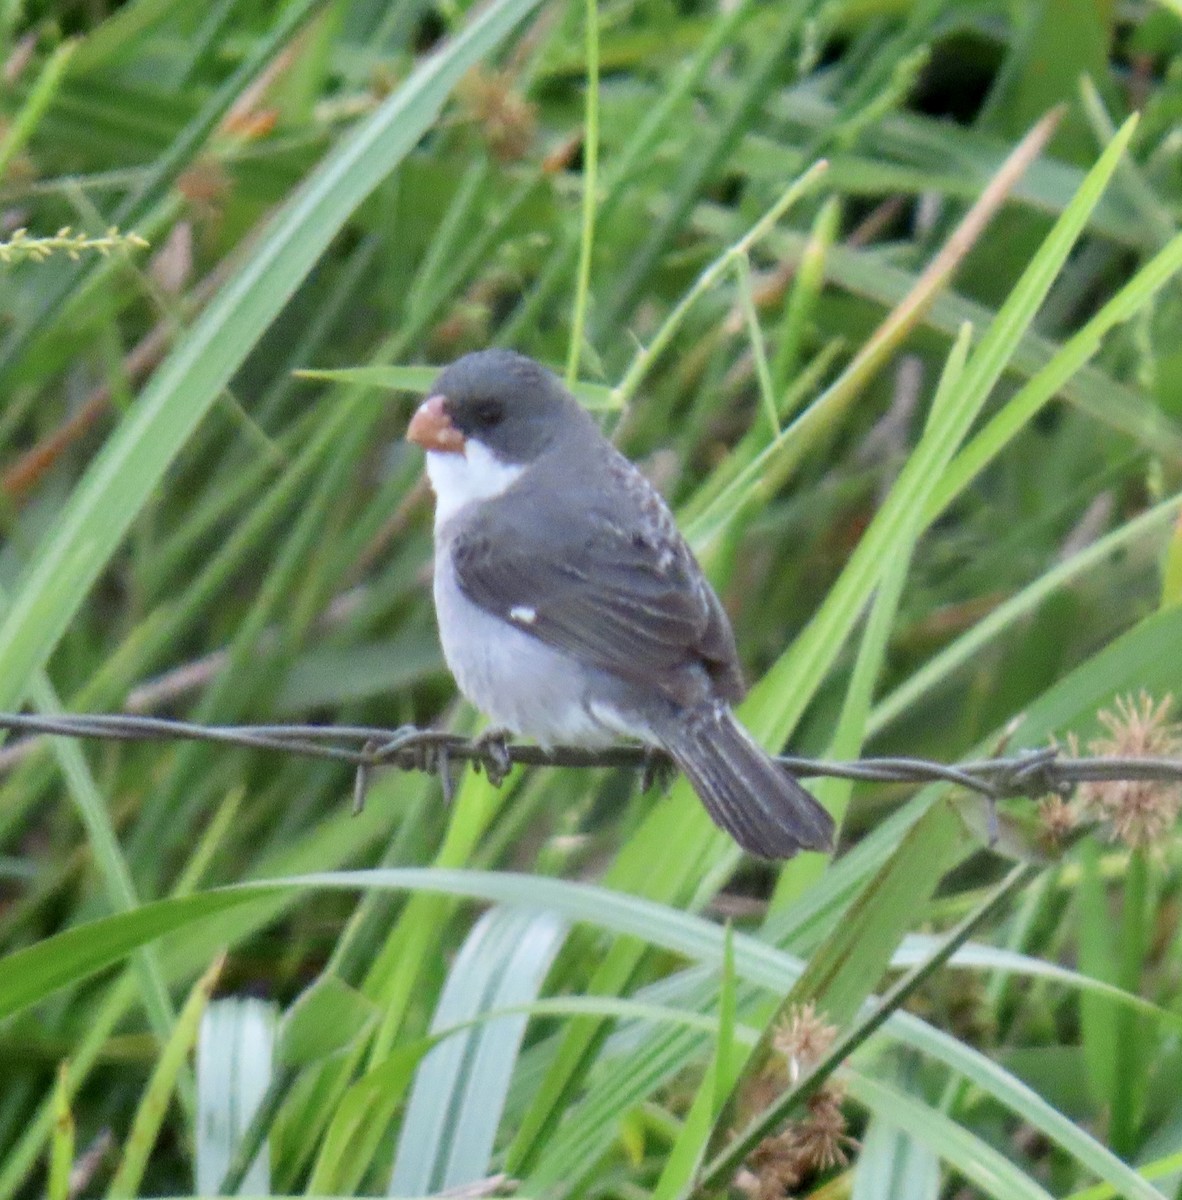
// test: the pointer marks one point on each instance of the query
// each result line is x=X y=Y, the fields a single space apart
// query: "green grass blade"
x=799 y=671
x=122 y=478
x=153 y=1106
x=234 y=1064
x=420 y=379
x=1154 y=521
x=455 y=1106
x=893 y=1165
x=968 y=1154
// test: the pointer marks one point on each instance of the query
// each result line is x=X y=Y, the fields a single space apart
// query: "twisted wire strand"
x=1027 y=773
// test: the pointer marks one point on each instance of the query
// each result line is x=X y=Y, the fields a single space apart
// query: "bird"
x=570 y=608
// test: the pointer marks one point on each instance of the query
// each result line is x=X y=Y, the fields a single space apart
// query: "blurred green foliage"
x=963 y=535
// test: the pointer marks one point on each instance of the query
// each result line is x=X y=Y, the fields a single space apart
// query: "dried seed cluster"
x=1139 y=812
x=818 y=1142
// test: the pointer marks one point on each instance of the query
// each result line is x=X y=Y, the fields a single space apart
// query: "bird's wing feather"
x=612 y=583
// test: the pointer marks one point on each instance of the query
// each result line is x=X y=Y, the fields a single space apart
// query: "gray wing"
x=611 y=583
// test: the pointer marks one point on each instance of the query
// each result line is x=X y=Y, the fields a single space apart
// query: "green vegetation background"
x=940 y=507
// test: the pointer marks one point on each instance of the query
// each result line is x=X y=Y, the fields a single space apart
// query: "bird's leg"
x=657 y=770
x=491 y=753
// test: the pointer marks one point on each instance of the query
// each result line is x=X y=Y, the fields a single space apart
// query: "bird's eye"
x=488 y=412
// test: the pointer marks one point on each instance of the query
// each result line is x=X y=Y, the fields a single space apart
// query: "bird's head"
x=506 y=402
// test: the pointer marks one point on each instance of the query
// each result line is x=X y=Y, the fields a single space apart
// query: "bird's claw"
x=491 y=752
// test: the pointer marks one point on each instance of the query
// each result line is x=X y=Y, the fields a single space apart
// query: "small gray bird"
x=571 y=609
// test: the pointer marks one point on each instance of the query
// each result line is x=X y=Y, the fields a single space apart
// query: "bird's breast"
x=516 y=680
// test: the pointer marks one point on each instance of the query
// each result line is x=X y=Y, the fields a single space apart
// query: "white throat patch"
x=460 y=478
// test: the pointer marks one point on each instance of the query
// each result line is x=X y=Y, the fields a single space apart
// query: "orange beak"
x=432 y=429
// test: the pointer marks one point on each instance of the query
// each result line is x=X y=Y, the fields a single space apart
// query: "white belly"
x=517 y=681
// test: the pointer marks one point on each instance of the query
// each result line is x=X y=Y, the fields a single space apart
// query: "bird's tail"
x=745 y=792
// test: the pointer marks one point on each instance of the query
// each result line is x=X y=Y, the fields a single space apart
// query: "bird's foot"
x=491 y=752
x=657 y=771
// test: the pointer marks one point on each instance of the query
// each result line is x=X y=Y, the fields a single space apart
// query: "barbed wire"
x=1029 y=773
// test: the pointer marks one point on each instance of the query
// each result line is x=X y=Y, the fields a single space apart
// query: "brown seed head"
x=1140 y=812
